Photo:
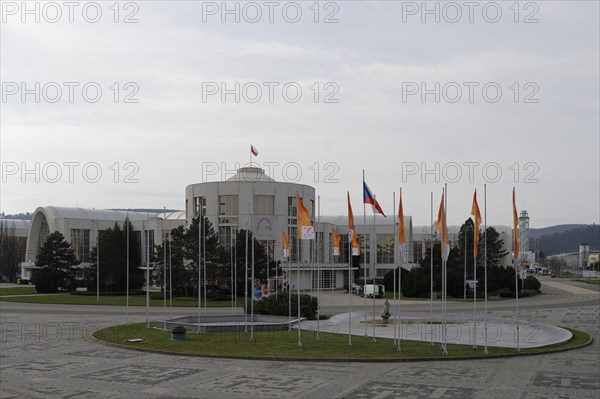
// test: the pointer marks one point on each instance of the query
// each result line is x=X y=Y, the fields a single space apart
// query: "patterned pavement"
x=52 y=356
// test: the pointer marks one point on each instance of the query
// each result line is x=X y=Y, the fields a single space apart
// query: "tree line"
x=184 y=251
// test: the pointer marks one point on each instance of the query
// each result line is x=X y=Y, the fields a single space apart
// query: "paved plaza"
x=47 y=352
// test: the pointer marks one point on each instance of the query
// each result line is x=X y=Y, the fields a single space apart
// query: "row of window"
x=263 y=205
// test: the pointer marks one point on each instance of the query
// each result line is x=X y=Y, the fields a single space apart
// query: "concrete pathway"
x=460 y=329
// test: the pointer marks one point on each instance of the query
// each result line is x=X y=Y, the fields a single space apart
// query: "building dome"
x=250 y=174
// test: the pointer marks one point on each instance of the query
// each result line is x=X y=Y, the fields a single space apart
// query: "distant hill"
x=559 y=228
x=561 y=240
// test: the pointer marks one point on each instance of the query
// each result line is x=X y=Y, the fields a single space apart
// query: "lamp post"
x=97 y=262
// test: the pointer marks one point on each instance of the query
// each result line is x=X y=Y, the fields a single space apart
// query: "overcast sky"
x=496 y=88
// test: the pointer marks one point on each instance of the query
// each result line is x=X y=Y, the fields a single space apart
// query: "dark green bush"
x=49 y=280
x=506 y=293
x=532 y=283
x=279 y=306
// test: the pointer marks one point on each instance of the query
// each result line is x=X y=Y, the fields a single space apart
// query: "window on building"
x=150 y=241
x=292 y=207
x=227 y=237
x=199 y=206
x=293 y=243
x=385 y=248
x=264 y=205
x=343 y=255
x=319 y=257
x=381 y=272
x=326 y=277
x=80 y=242
x=228 y=205
x=364 y=250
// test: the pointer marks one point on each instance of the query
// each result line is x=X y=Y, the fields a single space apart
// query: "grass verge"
x=18 y=291
x=282 y=345
x=136 y=300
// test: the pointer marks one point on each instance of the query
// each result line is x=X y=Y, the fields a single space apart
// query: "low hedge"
x=279 y=306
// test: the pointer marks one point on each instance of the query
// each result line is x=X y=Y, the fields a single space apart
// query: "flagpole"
x=431 y=273
x=517 y=264
x=246 y=280
x=485 y=337
x=365 y=254
x=465 y=270
x=288 y=278
x=475 y=231
x=231 y=275
x=274 y=251
x=445 y=266
x=164 y=268
x=235 y=271
x=253 y=291
x=442 y=247
x=400 y=276
x=147 y=271
x=170 y=279
x=374 y=274
x=127 y=288
x=314 y=256
x=299 y=345
x=199 y=262
x=395 y=342
x=349 y=286
x=204 y=260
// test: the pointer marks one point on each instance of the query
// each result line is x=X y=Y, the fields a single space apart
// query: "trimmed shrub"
x=506 y=293
x=279 y=306
x=532 y=283
x=49 y=280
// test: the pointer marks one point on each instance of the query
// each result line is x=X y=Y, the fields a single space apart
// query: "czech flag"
x=369 y=198
x=253 y=150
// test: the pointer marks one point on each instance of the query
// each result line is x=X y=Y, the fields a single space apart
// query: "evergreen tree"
x=57 y=261
x=260 y=261
x=9 y=251
x=113 y=260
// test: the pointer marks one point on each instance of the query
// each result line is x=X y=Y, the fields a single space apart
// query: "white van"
x=374 y=290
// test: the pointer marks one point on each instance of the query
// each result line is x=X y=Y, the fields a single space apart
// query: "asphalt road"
x=46 y=352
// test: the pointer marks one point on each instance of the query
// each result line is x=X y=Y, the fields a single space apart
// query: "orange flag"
x=477 y=222
x=336 y=242
x=401 y=238
x=515 y=228
x=305 y=227
x=443 y=230
x=355 y=246
x=284 y=242
x=350 y=218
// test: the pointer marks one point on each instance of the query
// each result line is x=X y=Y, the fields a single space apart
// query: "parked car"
x=357 y=289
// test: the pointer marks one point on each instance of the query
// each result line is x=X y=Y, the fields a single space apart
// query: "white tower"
x=584 y=253
x=523 y=233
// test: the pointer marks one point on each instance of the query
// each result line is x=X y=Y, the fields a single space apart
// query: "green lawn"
x=18 y=291
x=135 y=300
x=281 y=344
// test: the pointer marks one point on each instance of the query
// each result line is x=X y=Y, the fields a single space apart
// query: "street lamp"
x=97 y=262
